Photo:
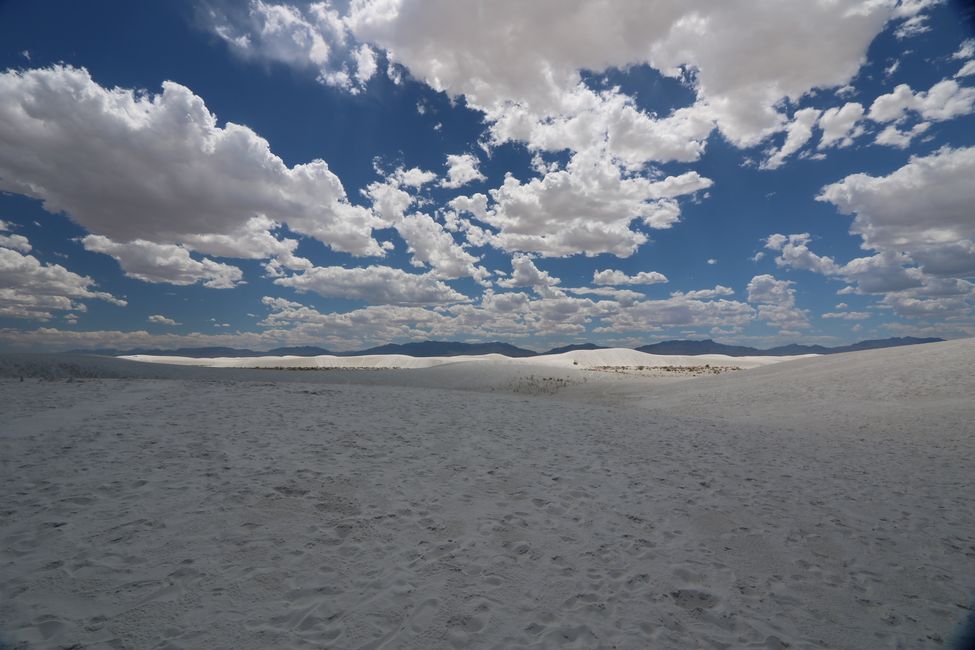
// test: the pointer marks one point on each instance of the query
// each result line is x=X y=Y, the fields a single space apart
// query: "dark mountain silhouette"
x=177 y=352
x=297 y=351
x=446 y=349
x=886 y=343
x=574 y=347
x=452 y=348
x=708 y=346
x=418 y=349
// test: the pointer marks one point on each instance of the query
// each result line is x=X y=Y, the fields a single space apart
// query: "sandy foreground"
x=817 y=502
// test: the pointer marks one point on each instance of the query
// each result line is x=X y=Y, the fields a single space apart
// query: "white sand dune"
x=628 y=357
x=321 y=361
x=819 y=502
x=580 y=358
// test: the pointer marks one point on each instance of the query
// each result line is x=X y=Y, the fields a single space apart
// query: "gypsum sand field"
x=823 y=502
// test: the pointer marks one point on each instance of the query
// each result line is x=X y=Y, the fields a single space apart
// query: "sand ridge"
x=576 y=358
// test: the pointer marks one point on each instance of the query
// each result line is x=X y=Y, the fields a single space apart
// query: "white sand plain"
x=818 y=502
x=576 y=358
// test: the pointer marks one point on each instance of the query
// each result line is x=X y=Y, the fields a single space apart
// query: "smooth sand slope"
x=821 y=502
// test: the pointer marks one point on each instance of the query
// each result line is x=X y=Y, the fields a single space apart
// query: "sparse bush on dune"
x=661 y=371
x=322 y=368
x=538 y=386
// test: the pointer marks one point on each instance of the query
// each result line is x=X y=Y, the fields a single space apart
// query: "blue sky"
x=345 y=174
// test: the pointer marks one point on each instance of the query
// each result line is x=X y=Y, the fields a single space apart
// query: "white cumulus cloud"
x=32 y=289
x=612 y=276
x=922 y=209
x=798 y=132
x=838 y=125
x=373 y=284
x=776 y=300
x=943 y=101
x=168 y=263
x=159 y=319
x=588 y=207
x=461 y=170
x=158 y=167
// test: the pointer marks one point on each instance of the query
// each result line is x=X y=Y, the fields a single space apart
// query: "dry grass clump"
x=662 y=371
x=321 y=368
x=533 y=385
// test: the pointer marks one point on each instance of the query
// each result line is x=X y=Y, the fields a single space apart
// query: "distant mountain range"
x=301 y=351
x=453 y=348
x=573 y=348
x=417 y=349
x=708 y=346
x=445 y=349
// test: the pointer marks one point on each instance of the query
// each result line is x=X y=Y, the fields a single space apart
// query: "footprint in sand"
x=693 y=599
x=424 y=614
